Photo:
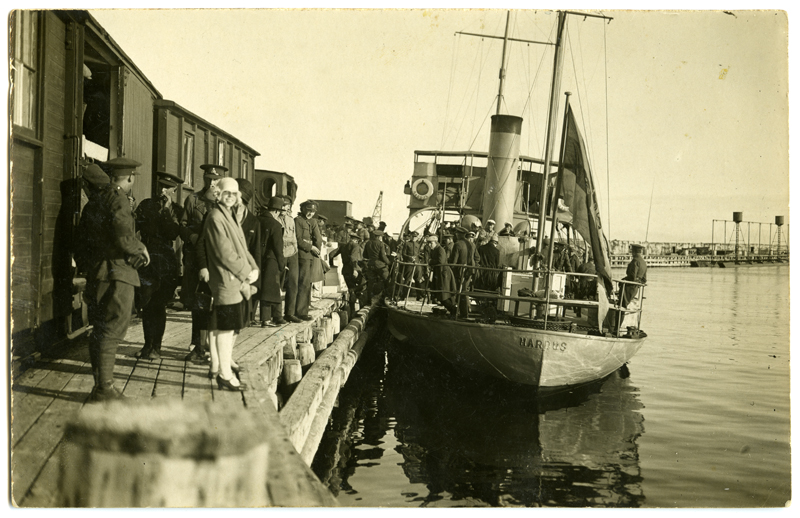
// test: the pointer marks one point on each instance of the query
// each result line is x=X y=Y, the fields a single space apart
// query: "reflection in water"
x=478 y=442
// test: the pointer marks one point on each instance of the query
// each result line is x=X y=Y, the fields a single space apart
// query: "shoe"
x=267 y=323
x=306 y=318
x=279 y=322
x=195 y=356
x=212 y=374
x=141 y=352
x=106 y=393
x=293 y=319
x=227 y=385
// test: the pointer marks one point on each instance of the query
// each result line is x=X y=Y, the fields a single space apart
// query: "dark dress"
x=272 y=260
x=444 y=284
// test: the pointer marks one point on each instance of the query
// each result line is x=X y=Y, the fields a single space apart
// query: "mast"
x=503 y=66
x=552 y=120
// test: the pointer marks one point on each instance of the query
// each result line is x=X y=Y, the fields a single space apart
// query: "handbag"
x=203 y=301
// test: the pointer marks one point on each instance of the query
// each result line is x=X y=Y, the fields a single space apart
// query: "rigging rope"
x=450 y=87
x=608 y=170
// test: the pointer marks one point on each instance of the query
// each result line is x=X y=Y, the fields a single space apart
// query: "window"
x=26 y=84
x=188 y=159
x=244 y=173
x=221 y=152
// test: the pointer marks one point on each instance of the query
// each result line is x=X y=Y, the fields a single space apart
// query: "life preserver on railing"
x=422 y=193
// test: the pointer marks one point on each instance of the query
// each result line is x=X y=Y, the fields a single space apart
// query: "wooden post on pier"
x=337 y=323
x=163 y=453
x=291 y=376
x=290 y=348
x=344 y=318
x=320 y=339
x=327 y=323
x=307 y=354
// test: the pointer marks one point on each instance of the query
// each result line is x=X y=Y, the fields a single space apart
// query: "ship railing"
x=550 y=306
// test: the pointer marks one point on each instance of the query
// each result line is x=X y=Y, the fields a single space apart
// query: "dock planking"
x=53 y=390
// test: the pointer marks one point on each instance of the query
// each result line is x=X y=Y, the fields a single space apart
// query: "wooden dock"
x=49 y=394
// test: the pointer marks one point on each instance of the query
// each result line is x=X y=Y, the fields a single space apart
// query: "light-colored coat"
x=229 y=262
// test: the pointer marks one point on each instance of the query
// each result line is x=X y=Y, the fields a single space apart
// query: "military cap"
x=322 y=217
x=470 y=234
x=348 y=224
x=382 y=225
x=95 y=176
x=378 y=233
x=431 y=238
x=122 y=166
x=367 y=221
x=276 y=203
x=213 y=171
x=414 y=233
x=460 y=230
x=353 y=235
x=445 y=235
x=169 y=180
x=311 y=204
x=639 y=248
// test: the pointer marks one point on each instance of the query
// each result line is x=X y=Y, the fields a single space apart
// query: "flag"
x=577 y=190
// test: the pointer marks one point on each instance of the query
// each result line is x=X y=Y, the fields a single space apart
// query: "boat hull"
x=541 y=358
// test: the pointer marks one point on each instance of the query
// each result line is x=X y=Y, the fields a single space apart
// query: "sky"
x=696 y=103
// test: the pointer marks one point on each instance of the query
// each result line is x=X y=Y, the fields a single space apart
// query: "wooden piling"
x=163 y=453
x=307 y=354
x=291 y=376
x=337 y=323
x=290 y=348
x=329 y=333
x=320 y=339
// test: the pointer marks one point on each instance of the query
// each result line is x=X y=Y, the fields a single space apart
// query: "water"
x=700 y=417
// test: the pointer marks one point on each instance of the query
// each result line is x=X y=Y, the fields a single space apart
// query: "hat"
x=213 y=171
x=311 y=204
x=353 y=235
x=169 y=180
x=228 y=185
x=382 y=225
x=367 y=221
x=275 y=203
x=637 y=247
x=378 y=233
x=95 y=176
x=431 y=238
x=322 y=217
x=509 y=225
x=122 y=166
x=348 y=224
x=414 y=233
x=246 y=188
x=493 y=222
x=460 y=230
x=446 y=235
x=470 y=234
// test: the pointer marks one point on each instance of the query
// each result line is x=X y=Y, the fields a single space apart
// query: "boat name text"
x=539 y=344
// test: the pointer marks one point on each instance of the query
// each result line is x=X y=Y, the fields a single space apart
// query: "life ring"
x=428 y=189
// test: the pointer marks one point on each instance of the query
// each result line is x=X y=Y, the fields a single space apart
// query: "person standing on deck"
x=251 y=227
x=443 y=283
x=273 y=263
x=351 y=269
x=462 y=256
x=377 y=264
x=195 y=208
x=158 y=223
x=636 y=272
x=309 y=241
x=292 y=271
x=110 y=255
x=490 y=258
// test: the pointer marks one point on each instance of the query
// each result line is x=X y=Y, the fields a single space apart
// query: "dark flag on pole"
x=581 y=200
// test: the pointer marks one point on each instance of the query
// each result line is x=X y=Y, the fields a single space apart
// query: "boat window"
x=221 y=152
x=25 y=71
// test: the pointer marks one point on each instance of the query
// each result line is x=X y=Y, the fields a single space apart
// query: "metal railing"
x=402 y=283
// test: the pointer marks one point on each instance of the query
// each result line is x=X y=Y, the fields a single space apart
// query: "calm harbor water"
x=700 y=417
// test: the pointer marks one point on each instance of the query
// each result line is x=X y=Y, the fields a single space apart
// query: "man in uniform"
x=412 y=274
x=309 y=241
x=636 y=272
x=377 y=264
x=351 y=268
x=463 y=254
x=157 y=220
x=110 y=254
x=195 y=208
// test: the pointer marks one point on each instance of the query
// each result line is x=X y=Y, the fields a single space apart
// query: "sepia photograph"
x=387 y=256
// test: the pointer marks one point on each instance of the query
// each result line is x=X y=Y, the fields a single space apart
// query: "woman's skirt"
x=231 y=317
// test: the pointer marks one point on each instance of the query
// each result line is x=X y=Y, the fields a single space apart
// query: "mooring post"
x=163 y=453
